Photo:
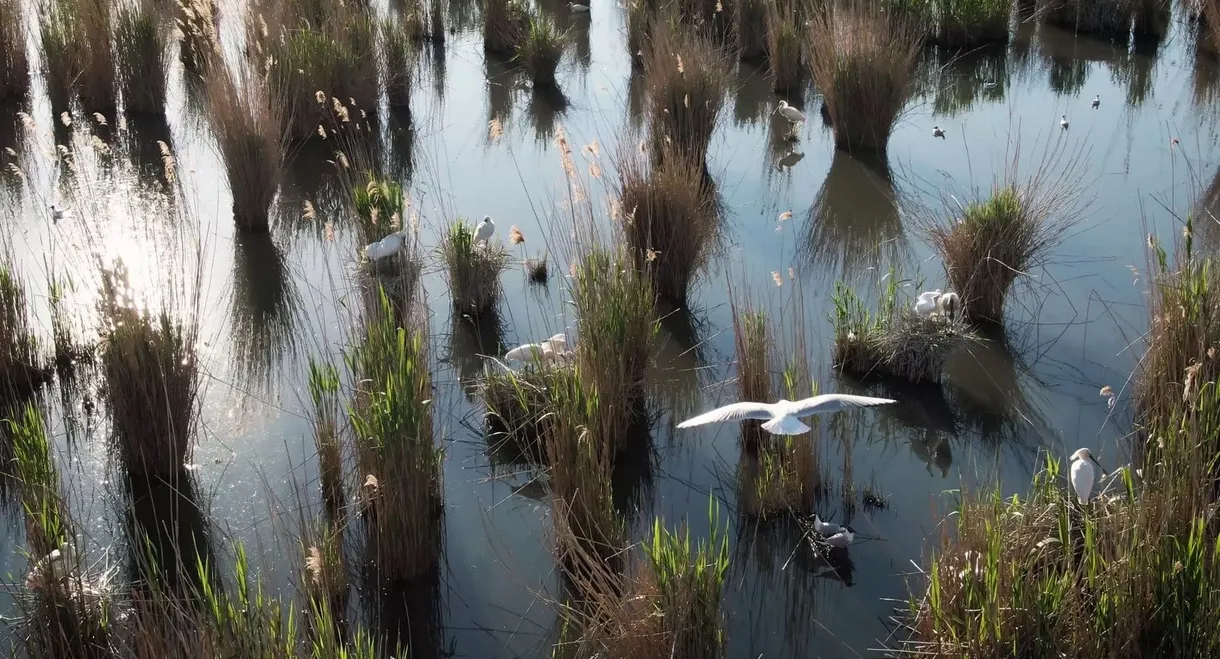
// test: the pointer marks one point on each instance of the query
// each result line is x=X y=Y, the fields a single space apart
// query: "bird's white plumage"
x=550 y=350
x=485 y=230
x=925 y=304
x=1063 y=121
x=790 y=113
x=842 y=539
x=937 y=132
x=388 y=246
x=1083 y=475
x=575 y=6
x=948 y=304
x=1096 y=101
x=825 y=528
x=52 y=567
x=783 y=417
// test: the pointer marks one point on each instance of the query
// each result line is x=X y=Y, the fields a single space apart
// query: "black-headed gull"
x=784 y=417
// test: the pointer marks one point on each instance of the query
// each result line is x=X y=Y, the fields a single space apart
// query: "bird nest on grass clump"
x=519 y=409
x=472 y=268
x=893 y=340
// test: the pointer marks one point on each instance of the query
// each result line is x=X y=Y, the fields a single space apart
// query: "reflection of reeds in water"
x=752 y=94
x=22 y=365
x=410 y=614
x=502 y=77
x=150 y=146
x=781 y=571
x=1205 y=80
x=854 y=219
x=142 y=58
x=677 y=365
x=264 y=300
x=471 y=339
x=546 y=104
x=169 y=538
x=966 y=78
x=1067 y=76
x=1135 y=71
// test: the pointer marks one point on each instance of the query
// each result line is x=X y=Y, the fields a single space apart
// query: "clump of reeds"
x=687 y=76
x=779 y=480
x=324 y=572
x=616 y=320
x=472 y=268
x=95 y=86
x=862 y=58
x=61 y=63
x=152 y=386
x=46 y=525
x=537 y=270
x=21 y=365
x=141 y=58
x=325 y=416
x=14 y=60
x=785 y=49
x=398 y=464
x=1152 y=20
x=199 y=43
x=505 y=23
x=540 y=49
x=1209 y=26
x=246 y=122
x=964 y=23
x=752 y=343
x=670 y=219
x=520 y=408
x=1109 y=19
x=401 y=53
x=752 y=33
x=893 y=340
x=995 y=240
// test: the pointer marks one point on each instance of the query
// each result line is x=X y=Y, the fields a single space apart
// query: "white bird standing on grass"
x=1097 y=101
x=1063 y=121
x=925 y=304
x=1082 y=473
x=790 y=113
x=52 y=567
x=783 y=417
x=937 y=132
x=948 y=304
x=550 y=350
x=388 y=246
x=483 y=232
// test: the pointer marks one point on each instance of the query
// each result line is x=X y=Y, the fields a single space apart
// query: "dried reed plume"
x=863 y=59
x=472 y=269
x=540 y=49
x=246 y=123
x=687 y=76
x=14 y=60
x=152 y=385
x=785 y=50
x=141 y=58
x=670 y=218
x=505 y=24
x=324 y=569
x=200 y=43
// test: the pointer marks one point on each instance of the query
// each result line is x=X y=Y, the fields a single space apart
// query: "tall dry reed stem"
x=472 y=268
x=200 y=43
x=142 y=61
x=785 y=46
x=14 y=60
x=391 y=416
x=21 y=363
x=401 y=52
x=752 y=28
x=248 y=129
x=687 y=76
x=670 y=218
x=753 y=344
x=863 y=59
x=152 y=387
x=95 y=37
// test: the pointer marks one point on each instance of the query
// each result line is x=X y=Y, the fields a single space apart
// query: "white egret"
x=577 y=7
x=549 y=350
x=948 y=304
x=937 y=132
x=825 y=528
x=790 y=113
x=1063 y=121
x=783 y=417
x=1097 y=101
x=925 y=304
x=388 y=246
x=58 y=214
x=51 y=568
x=842 y=539
x=485 y=229
x=1083 y=474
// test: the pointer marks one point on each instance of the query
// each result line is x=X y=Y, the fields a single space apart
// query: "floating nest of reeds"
x=518 y=410
x=907 y=346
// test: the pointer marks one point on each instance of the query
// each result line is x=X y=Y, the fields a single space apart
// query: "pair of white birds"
x=393 y=243
x=835 y=536
x=932 y=303
x=552 y=350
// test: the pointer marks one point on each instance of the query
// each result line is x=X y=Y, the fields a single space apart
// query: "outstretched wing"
x=734 y=412
x=522 y=353
x=827 y=403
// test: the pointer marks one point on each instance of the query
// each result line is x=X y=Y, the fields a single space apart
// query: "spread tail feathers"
x=785 y=425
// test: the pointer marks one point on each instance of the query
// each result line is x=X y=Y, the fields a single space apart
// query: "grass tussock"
x=141 y=56
x=892 y=340
x=199 y=42
x=519 y=409
x=615 y=309
x=1108 y=19
x=325 y=417
x=21 y=362
x=785 y=47
x=505 y=24
x=753 y=343
x=687 y=76
x=324 y=572
x=61 y=63
x=14 y=59
x=246 y=122
x=46 y=525
x=472 y=268
x=967 y=23
x=995 y=240
x=752 y=33
x=152 y=388
x=780 y=480
x=863 y=59
x=95 y=87
x=398 y=462
x=670 y=219
x=540 y=49
x=401 y=50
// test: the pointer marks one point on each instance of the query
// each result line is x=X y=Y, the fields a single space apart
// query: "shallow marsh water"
x=267 y=306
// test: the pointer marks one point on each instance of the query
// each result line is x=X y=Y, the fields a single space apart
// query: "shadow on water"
x=1136 y=72
x=149 y=145
x=752 y=95
x=264 y=309
x=854 y=221
x=779 y=585
x=923 y=417
x=400 y=163
x=168 y=535
x=631 y=477
x=546 y=104
x=677 y=362
x=410 y=613
x=470 y=338
x=962 y=78
x=503 y=80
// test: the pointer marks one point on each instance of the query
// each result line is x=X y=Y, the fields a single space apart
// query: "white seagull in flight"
x=784 y=417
